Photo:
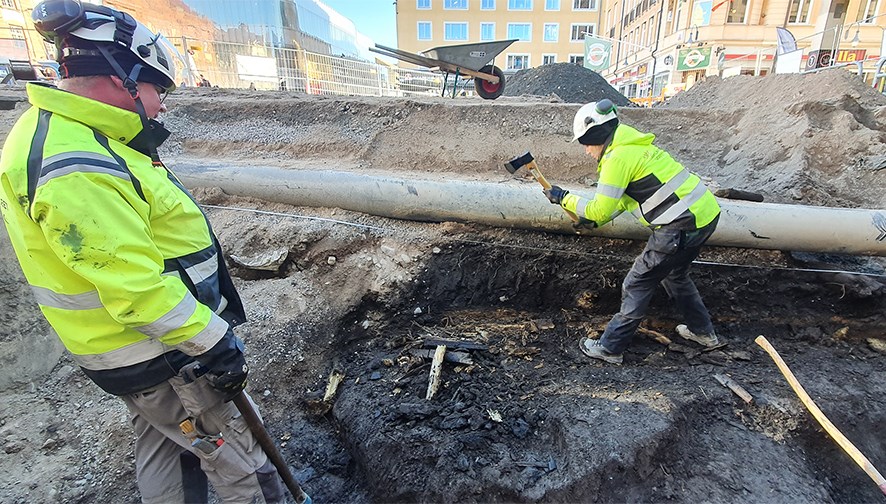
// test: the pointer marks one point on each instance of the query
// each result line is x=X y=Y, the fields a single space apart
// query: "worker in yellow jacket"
x=122 y=261
x=638 y=177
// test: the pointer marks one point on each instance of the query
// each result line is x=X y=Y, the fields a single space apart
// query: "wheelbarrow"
x=475 y=60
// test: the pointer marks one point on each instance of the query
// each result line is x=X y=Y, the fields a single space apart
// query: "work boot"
x=706 y=340
x=594 y=349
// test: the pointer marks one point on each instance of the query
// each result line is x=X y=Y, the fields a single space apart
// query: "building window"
x=455 y=4
x=584 y=4
x=455 y=31
x=422 y=4
x=577 y=59
x=487 y=5
x=520 y=31
x=9 y=4
x=518 y=61
x=867 y=10
x=738 y=9
x=552 y=5
x=424 y=30
x=519 y=4
x=17 y=35
x=548 y=59
x=578 y=31
x=487 y=31
x=552 y=32
x=799 y=11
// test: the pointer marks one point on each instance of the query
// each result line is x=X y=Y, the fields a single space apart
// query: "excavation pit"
x=530 y=418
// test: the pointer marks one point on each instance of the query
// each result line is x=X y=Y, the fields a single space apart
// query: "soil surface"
x=524 y=416
x=567 y=82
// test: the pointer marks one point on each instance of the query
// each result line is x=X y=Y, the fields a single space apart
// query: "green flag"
x=597 y=53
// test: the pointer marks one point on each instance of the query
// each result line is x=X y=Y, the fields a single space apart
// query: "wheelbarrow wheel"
x=487 y=89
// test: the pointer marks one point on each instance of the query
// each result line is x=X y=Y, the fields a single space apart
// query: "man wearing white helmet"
x=640 y=178
x=122 y=261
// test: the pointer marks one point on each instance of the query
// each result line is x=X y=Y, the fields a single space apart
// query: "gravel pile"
x=570 y=82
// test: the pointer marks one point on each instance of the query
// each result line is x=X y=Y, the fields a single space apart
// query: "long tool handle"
x=807 y=401
x=267 y=444
x=533 y=169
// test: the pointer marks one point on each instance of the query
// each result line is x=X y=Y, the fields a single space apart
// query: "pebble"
x=49 y=444
x=331 y=260
x=417 y=311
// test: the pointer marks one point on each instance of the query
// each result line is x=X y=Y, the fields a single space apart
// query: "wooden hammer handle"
x=533 y=169
x=831 y=429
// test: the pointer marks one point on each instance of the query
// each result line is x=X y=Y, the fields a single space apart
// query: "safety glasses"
x=161 y=92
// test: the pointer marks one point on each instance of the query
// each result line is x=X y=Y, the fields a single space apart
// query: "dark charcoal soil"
x=533 y=419
x=570 y=82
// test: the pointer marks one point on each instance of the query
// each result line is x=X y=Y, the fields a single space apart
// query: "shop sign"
x=821 y=59
x=643 y=69
x=693 y=58
x=851 y=55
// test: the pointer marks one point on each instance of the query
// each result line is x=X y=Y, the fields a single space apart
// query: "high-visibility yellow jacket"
x=121 y=260
x=640 y=178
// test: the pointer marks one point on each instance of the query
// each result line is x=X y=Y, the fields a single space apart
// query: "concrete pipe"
x=522 y=205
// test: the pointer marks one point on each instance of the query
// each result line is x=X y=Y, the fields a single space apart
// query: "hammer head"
x=519 y=162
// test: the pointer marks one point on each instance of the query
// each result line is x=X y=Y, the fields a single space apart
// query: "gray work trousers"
x=666 y=259
x=237 y=467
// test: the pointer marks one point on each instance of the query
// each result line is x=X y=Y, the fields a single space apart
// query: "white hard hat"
x=116 y=35
x=592 y=115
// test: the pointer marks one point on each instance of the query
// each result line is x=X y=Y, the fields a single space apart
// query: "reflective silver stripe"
x=80 y=168
x=199 y=272
x=121 y=357
x=681 y=206
x=171 y=320
x=581 y=206
x=222 y=304
x=205 y=339
x=665 y=191
x=610 y=191
x=615 y=214
x=173 y=273
x=52 y=299
x=79 y=155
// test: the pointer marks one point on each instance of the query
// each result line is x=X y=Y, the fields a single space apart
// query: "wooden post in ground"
x=436 y=367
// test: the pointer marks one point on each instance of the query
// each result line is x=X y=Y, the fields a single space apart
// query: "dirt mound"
x=572 y=83
x=820 y=138
x=745 y=92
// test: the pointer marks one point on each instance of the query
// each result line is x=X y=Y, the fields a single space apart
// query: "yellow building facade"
x=549 y=31
x=668 y=45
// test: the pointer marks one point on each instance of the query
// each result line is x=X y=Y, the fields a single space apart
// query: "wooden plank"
x=436 y=368
x=335 y=379
x=657 y=336
x=732 y=385
x=461 y=345
x=456 y=357
x=831 y=429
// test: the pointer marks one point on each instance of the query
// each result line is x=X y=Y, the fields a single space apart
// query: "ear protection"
x=54 y=19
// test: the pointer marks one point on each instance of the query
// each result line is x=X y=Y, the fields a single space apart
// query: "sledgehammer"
x=529 y=162
x=267 y=444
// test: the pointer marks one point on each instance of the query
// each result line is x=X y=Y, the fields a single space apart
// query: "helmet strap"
x=130 y=82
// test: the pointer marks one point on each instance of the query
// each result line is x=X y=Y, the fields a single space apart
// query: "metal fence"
x=244 y=66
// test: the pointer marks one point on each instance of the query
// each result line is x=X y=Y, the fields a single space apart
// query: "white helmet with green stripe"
x=593 y=115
